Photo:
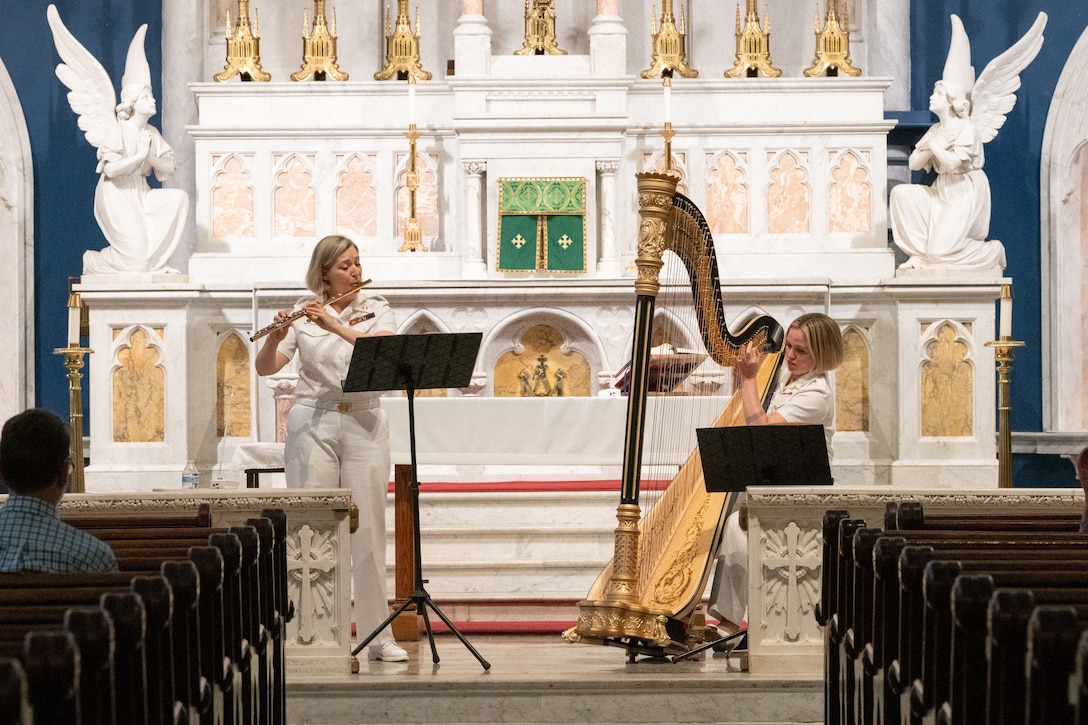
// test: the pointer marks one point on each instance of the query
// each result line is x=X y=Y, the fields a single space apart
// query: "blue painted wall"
x=64 y=162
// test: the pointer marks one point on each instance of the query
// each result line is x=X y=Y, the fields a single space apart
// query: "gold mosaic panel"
x=294 y=201
x=139 y=389
x=232 y=385
x=852 y=385
x=788 y=196
x=947 y=385
x=727 y=195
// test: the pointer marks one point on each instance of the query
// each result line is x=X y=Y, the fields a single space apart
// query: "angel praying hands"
x=946 y=224
x=143 y=225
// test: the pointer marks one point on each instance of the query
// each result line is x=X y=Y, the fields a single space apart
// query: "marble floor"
x=542 y=679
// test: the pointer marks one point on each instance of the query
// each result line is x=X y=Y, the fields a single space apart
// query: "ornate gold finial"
x=540 y=29
x=319 y=48
x=669 y=54
x=402 y=48
x=243 y=49
x=832 y=45
x=753 y=46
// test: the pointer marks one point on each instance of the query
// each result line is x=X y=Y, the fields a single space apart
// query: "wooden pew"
x=864 y=655
x=226 y=672
x=14 y=695
x=908 y=515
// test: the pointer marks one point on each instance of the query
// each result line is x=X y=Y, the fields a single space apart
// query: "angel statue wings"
x=946 y=224
x=143 y=225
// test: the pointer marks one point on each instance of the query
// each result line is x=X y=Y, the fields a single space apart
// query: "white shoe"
x=387 y=652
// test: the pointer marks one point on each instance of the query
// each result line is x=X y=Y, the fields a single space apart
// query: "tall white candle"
x=1006 y=313
x=73 y=326
x=668 y=101
x=411 y=102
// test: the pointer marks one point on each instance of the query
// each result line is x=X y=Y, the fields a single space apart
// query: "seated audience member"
x=35 y=465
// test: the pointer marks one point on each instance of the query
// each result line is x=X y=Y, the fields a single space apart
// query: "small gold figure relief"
x=542 y=369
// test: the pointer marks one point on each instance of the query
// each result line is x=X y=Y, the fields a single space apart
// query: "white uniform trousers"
x=327 y=448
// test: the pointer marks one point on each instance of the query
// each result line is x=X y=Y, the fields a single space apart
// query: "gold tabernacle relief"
x=646 y=597
x=290 y=319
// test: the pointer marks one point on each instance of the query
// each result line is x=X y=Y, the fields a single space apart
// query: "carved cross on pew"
x=797 y=560
x=307 y=559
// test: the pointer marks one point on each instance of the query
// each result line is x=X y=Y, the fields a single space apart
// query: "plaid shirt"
x=33 y=538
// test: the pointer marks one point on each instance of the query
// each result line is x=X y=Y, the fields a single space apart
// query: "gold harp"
x=646 y=597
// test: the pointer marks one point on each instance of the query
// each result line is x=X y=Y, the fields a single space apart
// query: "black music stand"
x=411 y=363
x=736 y=457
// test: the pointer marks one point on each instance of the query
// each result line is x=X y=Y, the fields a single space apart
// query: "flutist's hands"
x=317 y=313
x=277 y=335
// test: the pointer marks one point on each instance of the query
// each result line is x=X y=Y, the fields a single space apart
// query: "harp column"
x=619 y=615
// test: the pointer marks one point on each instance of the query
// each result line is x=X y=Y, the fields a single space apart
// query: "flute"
x=290 y=319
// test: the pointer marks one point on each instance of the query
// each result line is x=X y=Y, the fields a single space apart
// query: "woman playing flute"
x=337 y=439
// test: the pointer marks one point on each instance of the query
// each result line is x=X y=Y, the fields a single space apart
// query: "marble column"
x=472 y=41
x=608 y=264
x=474 y=265
x=183 y=40
x=607 y=41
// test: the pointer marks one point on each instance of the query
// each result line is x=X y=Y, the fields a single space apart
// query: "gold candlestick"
x=1003 y=356
x=73 y=362
x=413 y=232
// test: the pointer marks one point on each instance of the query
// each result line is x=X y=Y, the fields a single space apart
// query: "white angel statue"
x=946 y=224
x=143 y=225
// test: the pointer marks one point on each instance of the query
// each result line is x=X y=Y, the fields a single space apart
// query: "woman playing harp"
x=646 y=598
x=804 y=395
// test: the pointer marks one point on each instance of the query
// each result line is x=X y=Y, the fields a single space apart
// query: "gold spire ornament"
x=753 y=46
x=402 y=48
x=669 y=42
x=243 y=48
x=319 y=48
x=540 y=29
x=832 y=44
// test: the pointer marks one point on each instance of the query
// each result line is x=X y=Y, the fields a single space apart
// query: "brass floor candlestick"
x=73 y=361
x=1003 y=356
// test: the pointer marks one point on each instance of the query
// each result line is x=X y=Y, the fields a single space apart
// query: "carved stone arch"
x=575 y=339
x=728 y=192
x=789 y=192
x=850 y=191
x=655 y=161
x=355 y=197
x=17 y=249
x=232 y=197
x=1063 y=198
x=422 y=322
x=294 y=195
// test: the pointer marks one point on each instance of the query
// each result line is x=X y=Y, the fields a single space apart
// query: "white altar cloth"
x=537 y=431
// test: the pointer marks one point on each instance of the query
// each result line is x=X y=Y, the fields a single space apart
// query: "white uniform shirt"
x=324 y=356
x=808 y=400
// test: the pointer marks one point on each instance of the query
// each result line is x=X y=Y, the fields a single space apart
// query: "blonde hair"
x=824 y=340
x=325 y=254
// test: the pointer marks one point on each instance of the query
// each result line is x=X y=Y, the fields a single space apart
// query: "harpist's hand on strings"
x=747 y=364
